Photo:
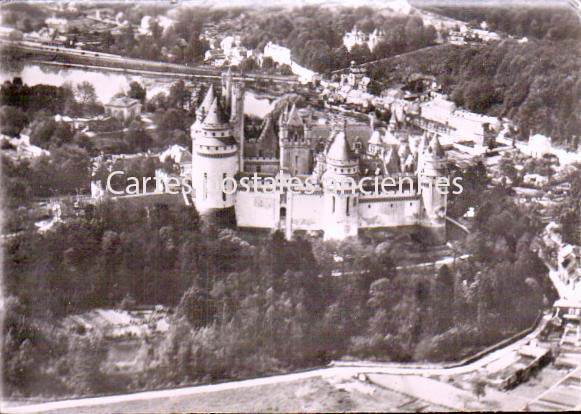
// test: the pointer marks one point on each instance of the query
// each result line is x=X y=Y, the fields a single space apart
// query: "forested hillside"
x=536 y=84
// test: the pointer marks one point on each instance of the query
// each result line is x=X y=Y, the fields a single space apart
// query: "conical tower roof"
x=294 y=118
x=389 y=138
x=423 y=144
x=208 y=99
x=392 y=162
x=216 y=119
x=339 y=150
x=435 y=148
x=376 y=137
x=283 y=115
x=267 y=136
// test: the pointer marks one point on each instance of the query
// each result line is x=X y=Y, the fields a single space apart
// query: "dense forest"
x=315 y=34
x=531 y=22
x=245 y=308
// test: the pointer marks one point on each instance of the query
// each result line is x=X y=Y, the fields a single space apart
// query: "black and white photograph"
x=306 y=206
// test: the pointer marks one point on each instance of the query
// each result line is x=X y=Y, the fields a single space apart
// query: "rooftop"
x=123 y=102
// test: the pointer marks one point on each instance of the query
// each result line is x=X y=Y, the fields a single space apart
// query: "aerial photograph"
x=290 y=207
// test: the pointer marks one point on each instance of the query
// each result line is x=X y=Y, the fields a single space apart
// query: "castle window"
x=347 y=207
x=205 y=186
x=223 y=192
x=333 y=204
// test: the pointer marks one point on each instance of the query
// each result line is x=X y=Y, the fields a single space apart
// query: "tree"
x=86 y=356
x=136 y=91
x=197 y=307
x=12 y=120
x=248 y=65
x=85 y=93
x=137 y=138
x=267 y=63
x=179 y=96
x=42 y=132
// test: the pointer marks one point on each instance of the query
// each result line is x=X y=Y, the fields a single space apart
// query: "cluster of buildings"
x=282 y=56
x=230 y=52
x=356 y=37
x=429 y=111
x=566 y=276
x=350 y=89
x=463 y=35
x=441 y=117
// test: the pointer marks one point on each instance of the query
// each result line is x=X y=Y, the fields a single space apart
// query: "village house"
x=123 y=108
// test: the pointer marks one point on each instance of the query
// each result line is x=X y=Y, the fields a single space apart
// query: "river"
x=108 y=83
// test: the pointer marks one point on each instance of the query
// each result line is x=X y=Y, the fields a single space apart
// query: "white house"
x=539 y=146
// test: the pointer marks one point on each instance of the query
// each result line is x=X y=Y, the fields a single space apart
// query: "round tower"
x=214 y=160
x=341 y=200
x=431 y=174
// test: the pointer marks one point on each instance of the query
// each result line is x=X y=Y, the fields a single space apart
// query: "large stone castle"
x=291 y=146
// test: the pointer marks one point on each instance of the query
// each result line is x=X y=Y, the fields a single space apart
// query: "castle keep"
x=290 y=147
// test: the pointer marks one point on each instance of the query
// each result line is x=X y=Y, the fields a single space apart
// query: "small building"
x=539 y=146
x=61 y=25
x=123 y=108
x=536 y=180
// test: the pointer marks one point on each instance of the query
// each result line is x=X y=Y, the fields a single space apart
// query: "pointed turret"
x=294 y=118
x=204 y=108
x=202 y=111
x=340 y=218
x=422 y=145
x=215 y=156
x=340 y=151
x=283 y=116
x=267 y=138
x=215 y=119
x=392 y=163
x=435 y=148
x=389 y=138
